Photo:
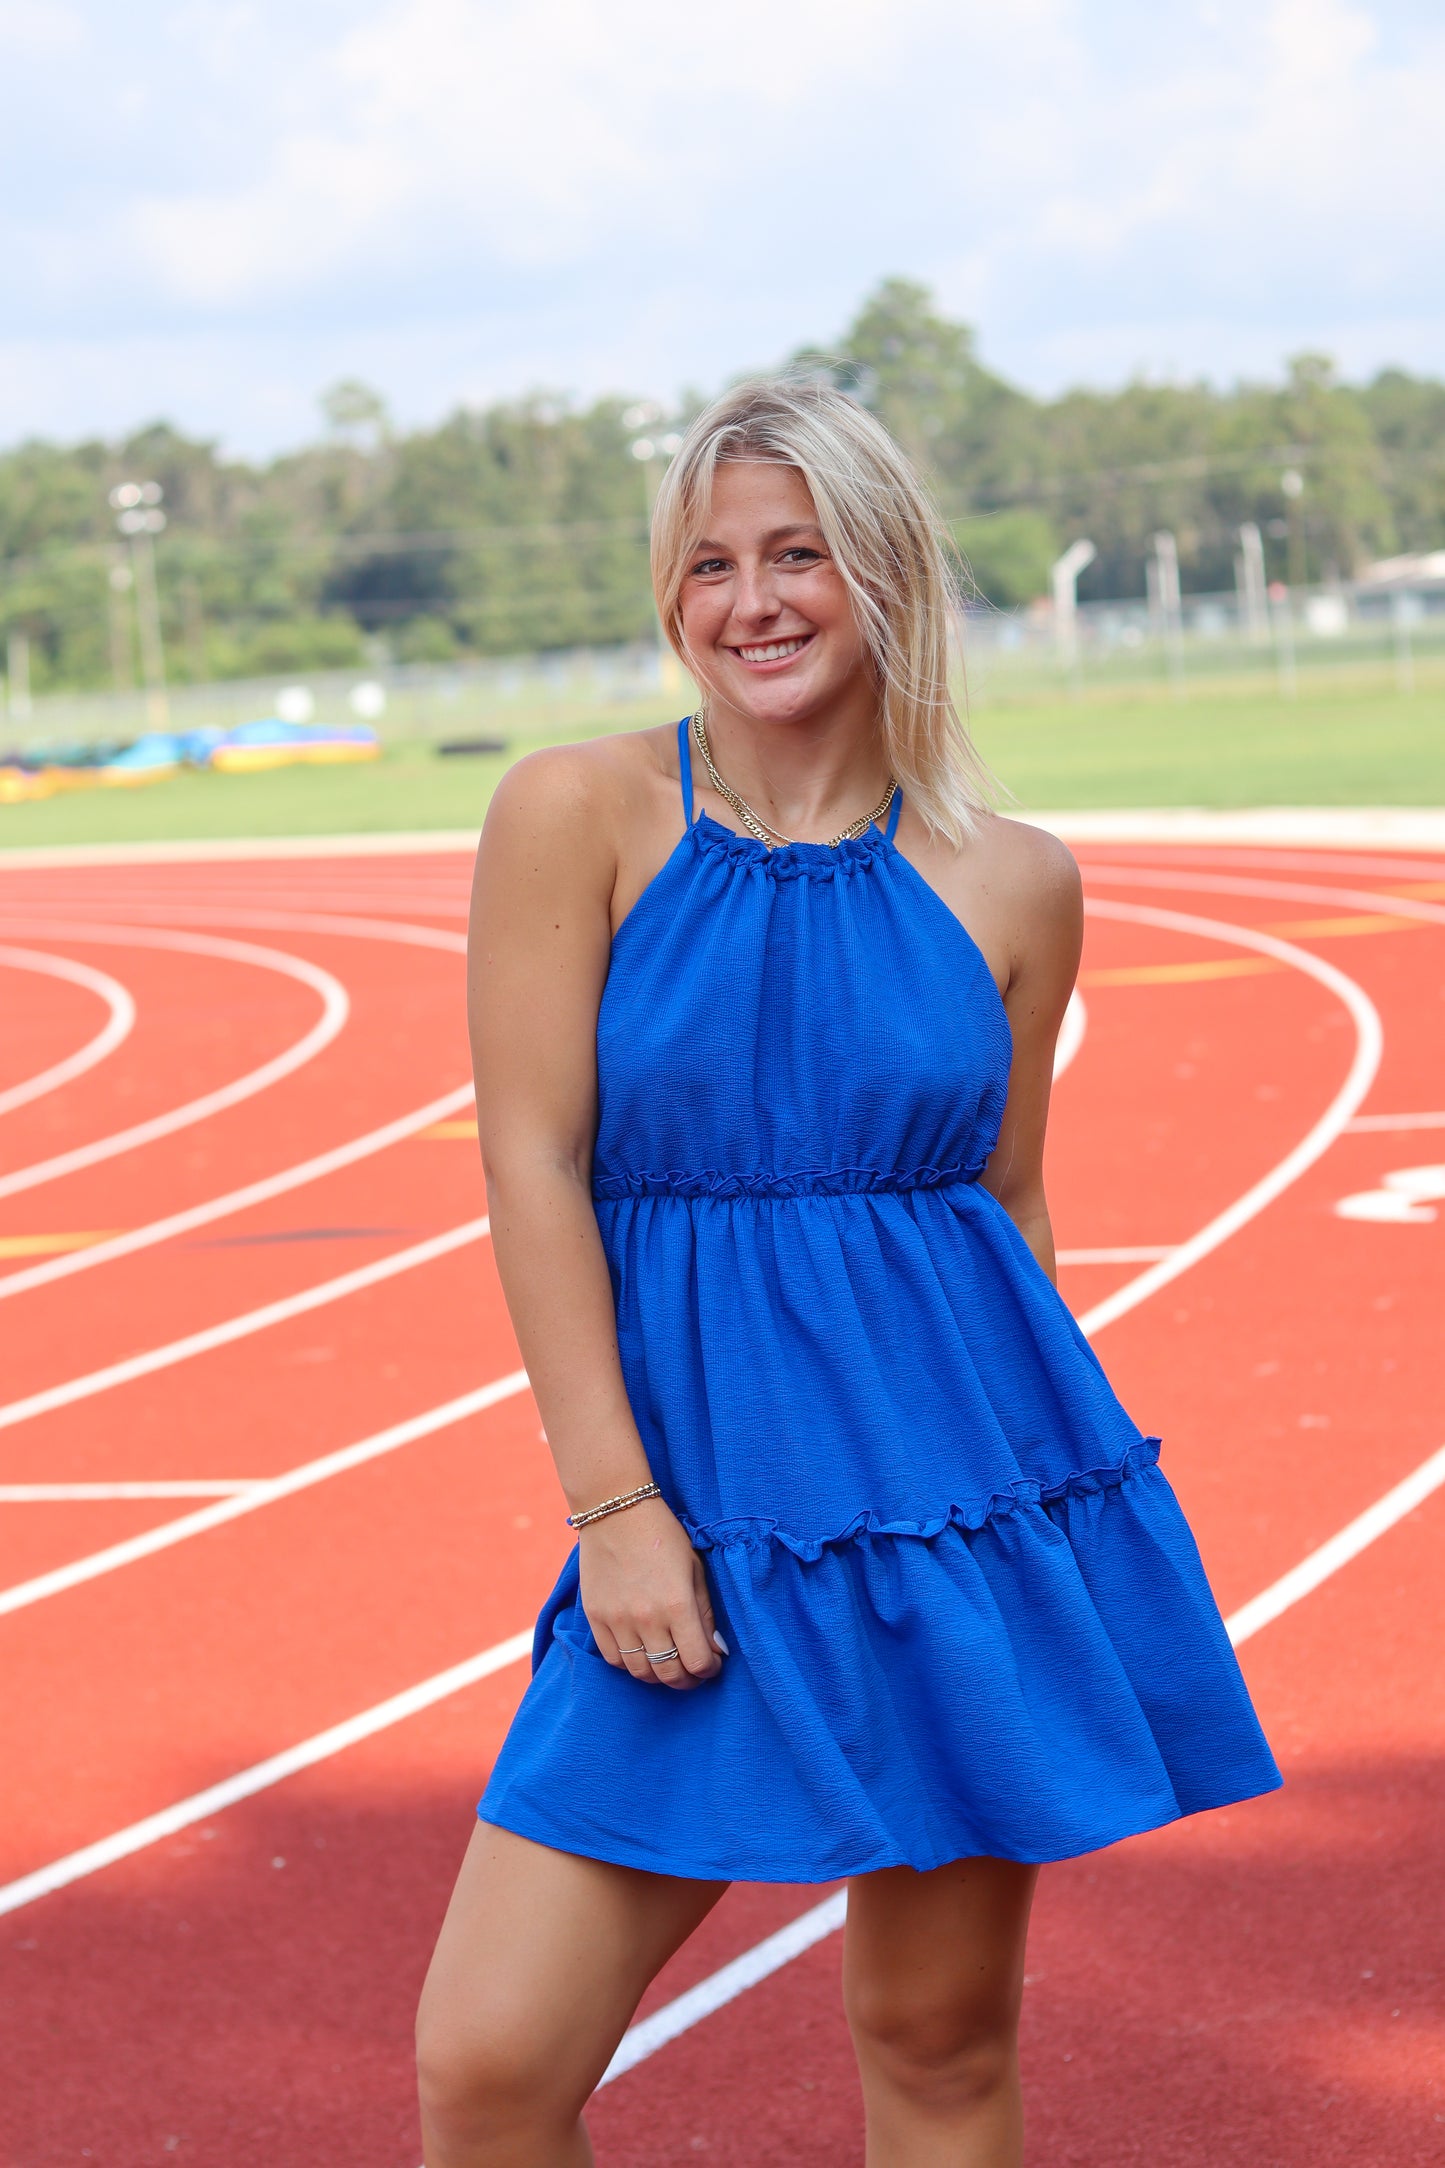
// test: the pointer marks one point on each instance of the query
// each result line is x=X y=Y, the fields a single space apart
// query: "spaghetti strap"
x=893 y=812
x=684 y=768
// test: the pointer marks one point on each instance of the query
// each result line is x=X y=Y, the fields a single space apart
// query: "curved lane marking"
x=1369 y=1046
x=117 y=1027
x=335 y=1008
x=289 y=1178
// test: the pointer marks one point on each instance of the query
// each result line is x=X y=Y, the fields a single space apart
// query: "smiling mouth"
x=773 y=650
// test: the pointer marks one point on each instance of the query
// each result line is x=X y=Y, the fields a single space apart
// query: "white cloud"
x=513 y=190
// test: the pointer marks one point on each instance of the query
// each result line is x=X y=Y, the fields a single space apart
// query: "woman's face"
x=764 y=608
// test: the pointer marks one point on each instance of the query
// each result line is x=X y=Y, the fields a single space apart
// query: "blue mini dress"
x=966 y=1614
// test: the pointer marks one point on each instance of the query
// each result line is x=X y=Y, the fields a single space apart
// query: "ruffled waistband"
x=1021 y=1494
x=797 y=1182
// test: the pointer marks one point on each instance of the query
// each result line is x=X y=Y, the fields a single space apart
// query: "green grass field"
x=1349 y=739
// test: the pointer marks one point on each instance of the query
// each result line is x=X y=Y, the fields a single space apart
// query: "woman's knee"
x=942 y=2051
x=481 y=2080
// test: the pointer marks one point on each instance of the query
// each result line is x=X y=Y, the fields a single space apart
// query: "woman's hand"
x=644 y=1587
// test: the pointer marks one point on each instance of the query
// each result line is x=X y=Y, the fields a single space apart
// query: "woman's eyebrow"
x=774 y=534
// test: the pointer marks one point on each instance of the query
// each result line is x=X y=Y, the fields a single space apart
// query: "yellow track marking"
x=1339 y=928
x=52 y=1245
x=448 y=1130
x=1233 y=967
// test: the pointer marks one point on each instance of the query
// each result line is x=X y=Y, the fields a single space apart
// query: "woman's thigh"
x=931 y=1961
x=542 y=1958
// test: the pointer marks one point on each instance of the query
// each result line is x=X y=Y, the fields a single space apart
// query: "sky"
x=211 y=210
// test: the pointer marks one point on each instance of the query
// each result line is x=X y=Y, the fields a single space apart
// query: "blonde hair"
x=889 y=544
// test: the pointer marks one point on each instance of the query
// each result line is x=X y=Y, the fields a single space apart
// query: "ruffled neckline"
x=791 y=861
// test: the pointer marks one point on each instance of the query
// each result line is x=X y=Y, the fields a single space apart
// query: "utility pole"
x=1249 y=586
x=1162 y=579
x=1064 y=581
x=140 y=519
x=1282 y=612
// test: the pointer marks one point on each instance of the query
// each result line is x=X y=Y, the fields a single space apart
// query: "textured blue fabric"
x=965 y=1611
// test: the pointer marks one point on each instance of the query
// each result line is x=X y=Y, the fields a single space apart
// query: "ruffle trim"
x=799 y=1182
x=1021 y=1495
x=792 y=861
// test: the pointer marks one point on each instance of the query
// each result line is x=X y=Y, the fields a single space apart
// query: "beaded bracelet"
x=614 y=1505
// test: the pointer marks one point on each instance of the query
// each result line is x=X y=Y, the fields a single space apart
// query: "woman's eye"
x=708 y=564
x=802 y=556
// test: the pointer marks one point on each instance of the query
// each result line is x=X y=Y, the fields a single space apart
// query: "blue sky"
x=213 y=209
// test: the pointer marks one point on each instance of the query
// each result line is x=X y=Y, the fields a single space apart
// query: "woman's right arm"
x=537 y=960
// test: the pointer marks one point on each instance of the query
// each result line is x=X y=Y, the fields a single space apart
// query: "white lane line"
x=1365 y=1125
x=1369 y=1045
x=117 y=1027
x=238 y=1328
x=265 y=1493
x=261 y=1775
x=1071 y=1033
x=345 y=924
x=725 y=1985
x=1367 y=1527
x=236 y=1200
x=1270 y=1604
x=335 y=1007
x=1143 y=1253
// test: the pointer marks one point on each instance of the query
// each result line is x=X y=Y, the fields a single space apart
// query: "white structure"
x=1064 y=579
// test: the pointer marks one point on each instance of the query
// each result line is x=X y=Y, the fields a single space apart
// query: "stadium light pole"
x=1292 y=488
x=652 y=455
x=140 y=519
x=1064 y=581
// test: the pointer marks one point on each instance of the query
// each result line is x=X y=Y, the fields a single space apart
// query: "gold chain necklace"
x=773 y=838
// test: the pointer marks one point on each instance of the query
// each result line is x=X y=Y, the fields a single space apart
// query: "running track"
x=267 y=1466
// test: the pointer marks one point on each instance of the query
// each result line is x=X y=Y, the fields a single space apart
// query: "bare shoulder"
x=577 y=794
x=1033 y=866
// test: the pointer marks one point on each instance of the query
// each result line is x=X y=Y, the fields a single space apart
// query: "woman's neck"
x=808 y=778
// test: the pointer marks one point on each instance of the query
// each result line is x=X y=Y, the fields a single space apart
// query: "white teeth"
x=773 y=653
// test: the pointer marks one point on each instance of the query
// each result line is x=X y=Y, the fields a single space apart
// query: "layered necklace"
x=773 y=838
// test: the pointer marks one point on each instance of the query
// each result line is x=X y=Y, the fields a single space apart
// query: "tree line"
x=522 y=525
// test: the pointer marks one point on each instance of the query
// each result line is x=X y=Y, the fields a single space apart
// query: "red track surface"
x=1252 y=1989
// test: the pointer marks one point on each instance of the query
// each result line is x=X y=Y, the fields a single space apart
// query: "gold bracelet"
x=619 y=1504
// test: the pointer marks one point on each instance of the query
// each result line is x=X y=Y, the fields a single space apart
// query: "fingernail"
x=719 y=1643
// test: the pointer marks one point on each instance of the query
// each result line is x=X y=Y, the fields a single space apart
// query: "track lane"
x=1204 y=1313
x=119 y=1023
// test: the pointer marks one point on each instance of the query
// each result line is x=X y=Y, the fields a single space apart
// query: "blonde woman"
x=874 y=1577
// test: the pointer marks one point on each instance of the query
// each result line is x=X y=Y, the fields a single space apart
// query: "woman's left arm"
x=1044 y=907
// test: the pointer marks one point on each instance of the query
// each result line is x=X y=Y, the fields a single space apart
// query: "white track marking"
x=1071 y=1033
x=1131 y=1254
x=44 y=1494
x=238 y=1328
x=261 y=1775
x=1269 y=1605
x=1375 y=1124
x=1369 y=1044
x=725 y=1985
x=1370 y=900
x=323 y=922
x=255 y=1495
x=335 y=1007
x=116 y=1028
x=236 y=1200
x=1367 y=1527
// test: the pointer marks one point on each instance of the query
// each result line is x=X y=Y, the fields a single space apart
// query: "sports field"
x=277 y=1515
x=1349 y=739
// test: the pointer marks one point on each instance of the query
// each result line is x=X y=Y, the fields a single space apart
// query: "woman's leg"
x=541 y=1961
x=933 y=1968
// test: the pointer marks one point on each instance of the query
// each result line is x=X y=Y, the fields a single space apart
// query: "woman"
x=874 y=1576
